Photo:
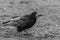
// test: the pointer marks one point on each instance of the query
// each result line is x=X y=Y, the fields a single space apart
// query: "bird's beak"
x=39 y=15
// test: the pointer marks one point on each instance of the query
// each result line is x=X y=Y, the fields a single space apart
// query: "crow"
x=25 y=22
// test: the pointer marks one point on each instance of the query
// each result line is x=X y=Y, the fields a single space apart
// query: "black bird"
x=25 y=22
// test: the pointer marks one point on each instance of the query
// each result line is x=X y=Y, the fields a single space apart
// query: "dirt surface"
x=46 y=27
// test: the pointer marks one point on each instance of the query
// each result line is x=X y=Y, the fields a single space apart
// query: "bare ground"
x=47 y=27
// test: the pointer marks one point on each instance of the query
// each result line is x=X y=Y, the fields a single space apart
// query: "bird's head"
x=33 y=14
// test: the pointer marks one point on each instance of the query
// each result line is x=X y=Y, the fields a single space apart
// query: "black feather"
x=26 y=21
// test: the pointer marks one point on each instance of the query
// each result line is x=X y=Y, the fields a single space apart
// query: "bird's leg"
x=26 y=32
